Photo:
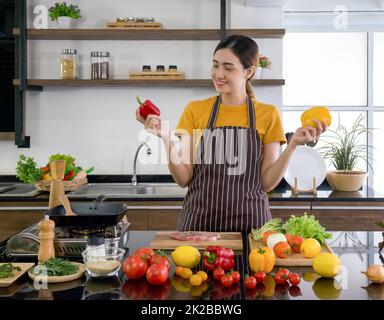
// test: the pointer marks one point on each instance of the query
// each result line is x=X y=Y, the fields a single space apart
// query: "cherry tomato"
x=218 y=273
x=203 y=275
x=235 y=276
x=296 y=244
x=160 y=259
x=260 y=276
x=226 y=280
x=280 y=278
x=186 y=273
x=250 y=282
x=179 y=271
x=294 y=279
x=134 y=267
x=195 y=280
x=284 y=271
x=282 y=250
x=294 y=291
x=157 y=274
x=145 y=253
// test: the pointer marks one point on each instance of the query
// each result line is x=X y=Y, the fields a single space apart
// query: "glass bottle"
x=68 y=64
x=100 y=62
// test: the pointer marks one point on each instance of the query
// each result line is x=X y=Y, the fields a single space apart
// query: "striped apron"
x=226 y=191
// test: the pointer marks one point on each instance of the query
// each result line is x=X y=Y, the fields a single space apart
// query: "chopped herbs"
x=59 y=267
x=7 y=270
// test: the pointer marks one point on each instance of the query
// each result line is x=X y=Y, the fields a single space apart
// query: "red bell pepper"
x=147 y=107
x=70 y=175
x=216 y=256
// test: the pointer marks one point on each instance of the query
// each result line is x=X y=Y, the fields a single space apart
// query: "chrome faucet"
x=134 y=178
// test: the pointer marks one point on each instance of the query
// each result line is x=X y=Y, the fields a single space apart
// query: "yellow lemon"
x=186 y=256
x=310 y=248
x=327 y=265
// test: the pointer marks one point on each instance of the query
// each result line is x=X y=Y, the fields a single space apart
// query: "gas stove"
x=69 y=242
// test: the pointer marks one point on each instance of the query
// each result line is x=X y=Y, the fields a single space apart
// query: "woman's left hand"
x=309 y=134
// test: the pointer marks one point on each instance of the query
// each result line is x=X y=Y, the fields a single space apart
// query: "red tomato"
x=260 y=276
x=160 y=259
x=280 y=278
x=135 y=289
x=235 y=276
x=250 y=282
x=145 y=253
x=218 y=273
x=294 y=291
x=284 y=271
x=282 y=249
x=266 y=235
x=134 y=267
x=294 y=279
x=157 y=274
x=226 y=280
x=296 y=244
x=289 y=238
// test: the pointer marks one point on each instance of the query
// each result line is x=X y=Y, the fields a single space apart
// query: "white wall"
x=97 y=125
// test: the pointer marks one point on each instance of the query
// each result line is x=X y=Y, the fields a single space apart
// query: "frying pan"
x=89 y=214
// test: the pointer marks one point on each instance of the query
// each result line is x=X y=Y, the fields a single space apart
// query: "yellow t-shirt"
x=268 y=120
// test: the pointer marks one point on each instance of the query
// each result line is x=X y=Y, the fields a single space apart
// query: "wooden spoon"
x=67 y=206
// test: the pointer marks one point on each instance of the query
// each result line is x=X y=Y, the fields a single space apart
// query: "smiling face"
x=228 y=74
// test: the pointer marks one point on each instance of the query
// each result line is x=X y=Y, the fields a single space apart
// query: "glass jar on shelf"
x=68 y=64
x=100 y=62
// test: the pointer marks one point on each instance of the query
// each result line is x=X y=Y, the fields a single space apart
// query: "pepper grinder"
x=57 y=169
x=46 y=236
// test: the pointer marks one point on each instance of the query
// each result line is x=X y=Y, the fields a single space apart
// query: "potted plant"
x=264 y=63
x=64 y=14
x=343 y=149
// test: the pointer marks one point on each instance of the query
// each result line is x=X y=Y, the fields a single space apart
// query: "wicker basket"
x=45 y=185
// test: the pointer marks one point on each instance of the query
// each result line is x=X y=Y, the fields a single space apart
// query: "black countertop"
x=281 y=193
x=350 y=284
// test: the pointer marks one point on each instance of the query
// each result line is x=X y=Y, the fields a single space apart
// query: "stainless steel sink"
x=116 y=190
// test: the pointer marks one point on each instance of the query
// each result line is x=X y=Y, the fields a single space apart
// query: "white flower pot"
x=259 y=73
x=65 y=22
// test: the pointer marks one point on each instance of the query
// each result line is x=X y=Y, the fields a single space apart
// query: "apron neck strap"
x=215 y=112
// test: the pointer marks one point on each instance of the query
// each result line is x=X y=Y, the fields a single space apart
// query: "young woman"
x=237 y=160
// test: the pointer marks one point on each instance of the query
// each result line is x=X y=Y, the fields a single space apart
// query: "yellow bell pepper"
x=318 y=113
x=262 y=259
x=47 y=177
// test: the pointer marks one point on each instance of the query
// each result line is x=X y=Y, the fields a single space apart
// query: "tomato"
x=235 y=276
x=157 y=274
x=289 y=238
x=280 y=278
x=260 y=276
x=160 y=259
x=294 y=279
x=266 y=235
x=186 y=273
x=218 y=273
x=296 y=244
x=284 y=271
x=134 y=267
x=135 y=289
x=179 y=271
x=195 y=280
x=145 y=253
x=250 y=282
x=294 y=291
x=282 y=249
x=203 y=275
x=226 y=280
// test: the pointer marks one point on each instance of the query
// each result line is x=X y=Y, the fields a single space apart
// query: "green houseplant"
x=64 y=13
x=344 y=149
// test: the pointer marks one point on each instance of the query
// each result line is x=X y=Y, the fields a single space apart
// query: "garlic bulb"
x=375 y=273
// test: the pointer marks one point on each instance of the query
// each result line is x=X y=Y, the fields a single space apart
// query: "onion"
x=375 y=273
x=275 y=238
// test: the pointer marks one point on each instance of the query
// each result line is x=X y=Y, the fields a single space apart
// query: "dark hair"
x=246 y=50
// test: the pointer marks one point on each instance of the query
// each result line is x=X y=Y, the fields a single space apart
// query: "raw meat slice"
x=195 y=236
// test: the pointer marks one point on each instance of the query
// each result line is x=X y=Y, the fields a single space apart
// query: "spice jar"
x=172 y=68
x=68 y=64
x=160 y=68
x=146 y=68
x=100 y=65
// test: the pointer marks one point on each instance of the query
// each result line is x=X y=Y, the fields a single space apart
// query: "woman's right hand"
x=152 y=123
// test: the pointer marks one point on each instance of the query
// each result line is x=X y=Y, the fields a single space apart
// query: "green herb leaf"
x=27 y=170
x=7 y=270
x=59 y=267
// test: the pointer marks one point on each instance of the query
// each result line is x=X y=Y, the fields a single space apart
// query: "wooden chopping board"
x=24 y=266
x=294 y=260
x=59 y=279
x=162 y=240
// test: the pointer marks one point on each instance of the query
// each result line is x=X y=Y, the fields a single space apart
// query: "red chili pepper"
x=147 y=107
x=69 y=175
x=216 y=256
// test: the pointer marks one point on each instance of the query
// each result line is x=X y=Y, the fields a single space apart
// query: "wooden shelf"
x=136 y=83
x=162 y=34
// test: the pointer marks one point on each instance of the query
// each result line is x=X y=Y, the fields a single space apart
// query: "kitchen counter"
x=350 y=284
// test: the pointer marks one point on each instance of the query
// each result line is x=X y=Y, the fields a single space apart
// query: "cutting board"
x=59 y=279
x=25 y=266
x=162 y=240
x=294 y=260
